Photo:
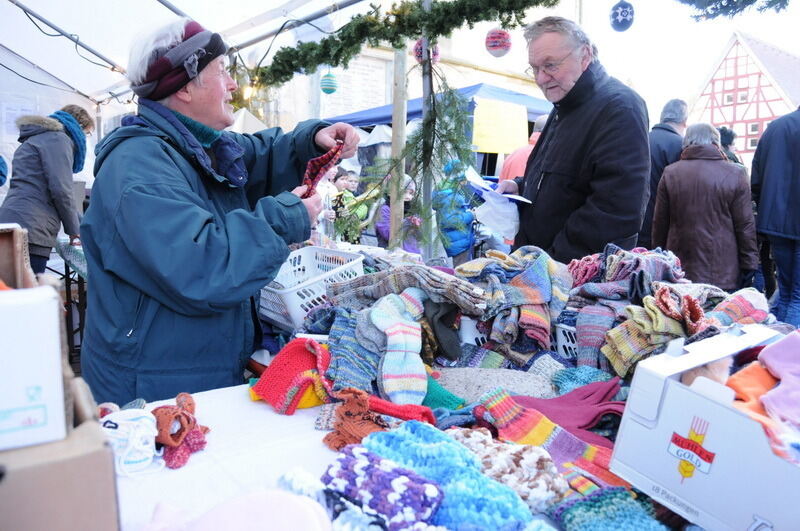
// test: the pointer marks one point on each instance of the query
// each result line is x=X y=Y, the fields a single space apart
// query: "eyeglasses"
x=550 y=68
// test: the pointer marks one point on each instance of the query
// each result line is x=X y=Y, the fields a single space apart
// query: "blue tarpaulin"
x=383 y=115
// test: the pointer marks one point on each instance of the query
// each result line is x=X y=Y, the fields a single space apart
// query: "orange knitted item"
x=293 y=371
x=750 y=383
x=181 y=413
x=354 y=420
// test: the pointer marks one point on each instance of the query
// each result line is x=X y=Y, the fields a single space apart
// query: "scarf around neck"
x=73 y=129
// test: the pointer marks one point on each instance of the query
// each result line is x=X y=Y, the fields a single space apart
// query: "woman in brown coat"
x=704 y=215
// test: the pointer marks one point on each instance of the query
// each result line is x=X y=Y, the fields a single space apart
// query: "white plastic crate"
x=566 y=342
x=304 y=276
x=469 y=334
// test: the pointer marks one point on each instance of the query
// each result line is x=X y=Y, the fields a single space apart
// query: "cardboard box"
x=15 y=264
x=723 y=473
x=69 y=484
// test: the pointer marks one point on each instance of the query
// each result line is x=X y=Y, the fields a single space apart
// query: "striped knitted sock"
x=528 y=426
x=401 y=374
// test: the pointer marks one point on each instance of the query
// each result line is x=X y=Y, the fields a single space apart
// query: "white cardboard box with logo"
x=692 y=451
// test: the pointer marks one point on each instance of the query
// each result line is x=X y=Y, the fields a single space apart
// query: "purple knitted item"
x=400 y=495
x=661 y=265
x=595 y=320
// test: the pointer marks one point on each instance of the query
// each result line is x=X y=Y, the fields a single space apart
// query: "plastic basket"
x=566 y=342
x=304 y=276
x=469 y=334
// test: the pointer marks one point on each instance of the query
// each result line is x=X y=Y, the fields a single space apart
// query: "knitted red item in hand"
x=283 y=383
x=317 y=168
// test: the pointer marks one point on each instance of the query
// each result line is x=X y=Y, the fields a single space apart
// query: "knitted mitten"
x=528 y=426
x=401 y=374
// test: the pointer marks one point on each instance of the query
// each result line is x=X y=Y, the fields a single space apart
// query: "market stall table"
x=74 y=263
x=249 y=447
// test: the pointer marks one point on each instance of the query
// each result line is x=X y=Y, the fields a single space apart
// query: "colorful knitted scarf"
x=318 y=167
x=73 y=129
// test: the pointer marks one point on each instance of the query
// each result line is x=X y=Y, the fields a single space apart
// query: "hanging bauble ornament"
x=418 y=52
x=328 y=83
x=498 y=42
x=622 y=16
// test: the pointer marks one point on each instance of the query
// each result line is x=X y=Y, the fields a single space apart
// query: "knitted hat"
x=293 y=372
x=469 y=496
x=401 y=496
x=527 y=469
x=471 y=383
x=171 y=69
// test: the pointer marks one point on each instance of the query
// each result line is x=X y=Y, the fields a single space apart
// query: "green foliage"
x=404 y=21
x=708 y=9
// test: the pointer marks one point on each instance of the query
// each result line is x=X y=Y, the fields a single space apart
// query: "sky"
x=667 y=54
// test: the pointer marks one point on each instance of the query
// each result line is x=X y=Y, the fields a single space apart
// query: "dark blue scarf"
x=73 y=129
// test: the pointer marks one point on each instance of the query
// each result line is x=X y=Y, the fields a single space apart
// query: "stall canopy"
x=485 y=104
x=383 y=115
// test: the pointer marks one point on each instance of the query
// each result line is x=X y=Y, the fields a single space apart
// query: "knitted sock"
x=401 y=374
x=438 y=396
x=351 y=365
x=528 y=426
x=608 y=508
x=744 y=306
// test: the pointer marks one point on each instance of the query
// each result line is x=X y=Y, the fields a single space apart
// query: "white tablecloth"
x=249 y=447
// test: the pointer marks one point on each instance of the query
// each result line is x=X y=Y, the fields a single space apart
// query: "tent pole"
x=399 y=108
x=114 y=66
x=172 y=8
x=293 y=24
x=427 y=148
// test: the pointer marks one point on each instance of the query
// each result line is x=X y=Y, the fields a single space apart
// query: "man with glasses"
x=587 y=177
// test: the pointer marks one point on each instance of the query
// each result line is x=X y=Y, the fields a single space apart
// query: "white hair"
x=700 y=135
x=144 y=50
x=562 y=26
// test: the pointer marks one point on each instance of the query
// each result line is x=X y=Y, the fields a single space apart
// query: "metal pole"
x=172 y=8
x=427 y=148
x=114 y=66
x=293 y=24
x=399 y=116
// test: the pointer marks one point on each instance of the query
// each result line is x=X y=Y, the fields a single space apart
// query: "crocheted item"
x=351 y=365
x=473 y=383
x=177 y=456
x=401 y=496
x=175 y=422
x=469 y=496
x=294 y=371
x=608 y=509
x=354 y=420
x=528 y=470
x=439 y=397
x=528 y=426
x=318 y=167
x=401 y=373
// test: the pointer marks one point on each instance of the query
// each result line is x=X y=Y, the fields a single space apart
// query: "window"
x=754 y=128
x=752 y=143
x=728 y=99
x=743 y=97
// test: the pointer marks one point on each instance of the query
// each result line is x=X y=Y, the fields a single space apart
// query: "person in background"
x=40 y=196
x=3 y=171
x=587 y=176
x=666 y=144
x=411 y=223
x=351 y=211
x=514 y=164
x=703 y=213
x=775 y=182
x=327 y=191
x=726 y=138
x=187 y=222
